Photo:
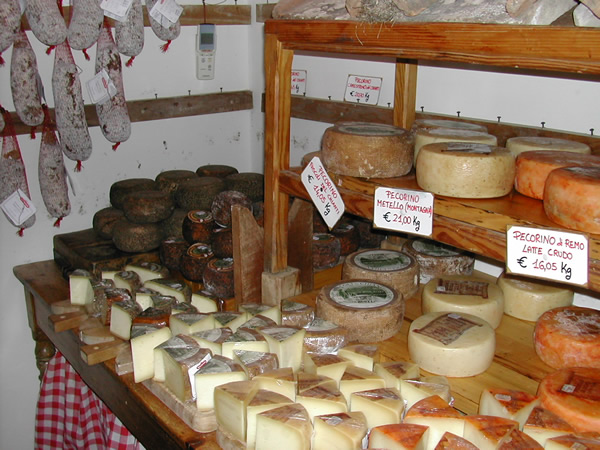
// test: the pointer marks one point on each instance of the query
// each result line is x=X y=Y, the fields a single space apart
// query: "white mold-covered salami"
x=25 y=81
x=112 y=114
x=46 y=21
x=86 y=22
x=71 y=123
x=1 y=121
x=164 y=33
x=129 y=35
x=10 y=22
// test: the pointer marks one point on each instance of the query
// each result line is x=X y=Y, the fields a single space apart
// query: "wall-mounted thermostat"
x=206 y=48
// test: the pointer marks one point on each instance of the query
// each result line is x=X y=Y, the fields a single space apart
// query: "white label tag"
x=550 y=254
x=116 y=9
x=101 y=88
x=298 y=82
x=323 y=192
x=166 y=9
x=192 y=373
x=364 y=90
x=403 y=210
x=18 y=207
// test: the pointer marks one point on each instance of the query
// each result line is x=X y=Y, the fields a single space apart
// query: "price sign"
x=404 y=210
x=323 y=192
x=298 y=82
x=361 y=89
x=550 y=254
x=18 y=207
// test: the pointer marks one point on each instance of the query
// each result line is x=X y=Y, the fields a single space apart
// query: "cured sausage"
x=69 y=109
x=10 y=22
x=164 y=33
x=86 y=22
x=129 y=35
x=113 y=115
x=46 y=21
x=25 y=82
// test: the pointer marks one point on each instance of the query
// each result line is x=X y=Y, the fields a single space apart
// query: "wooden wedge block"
x=66 y=321
x=97 y=353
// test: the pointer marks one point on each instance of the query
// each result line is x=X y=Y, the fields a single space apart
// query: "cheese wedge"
x=451 y=441
x=270 y=311
x=172 y=287
x=262 y=401
x=517 y=440
x=184 y=308
x=280 y=380
x=231 y=400
x=573 y=441
x=213 y=339
x=438 y=415
x=81 y=291
x=381 y=406
x=332 y=366
x=127 y=279
x=204 y=302
x=287 y=425
x=322 y=399
x=507 y=403
x=413 y=390
x=342 y=431
x=323 y=336
x=487 y=432
x=121 y=318
x=190 y=323
x=148 y=270
x=402 y=436
x=520 y=144
x=230 y=319
x=219 y=370
x=356 y=379
x=143 y=297
x=394 y=371
x=542 y=425
x=144 y=339
x=296 y=314
x=255 y=363
x=257 y=322
x=310 y=380
x=286 y=343
x=361 y=355
x=244 y=339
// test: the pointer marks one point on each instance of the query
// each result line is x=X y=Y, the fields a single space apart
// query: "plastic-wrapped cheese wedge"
x=262 y=401
x=127 y=279
x=322 y=399
x=205 y=302
x=213 y=339
x=121 y=318
x=257 y=322
x=174 y=288
x=286 y=343
x=81 y=291
x=507 y=403
x=517 y=440
x=324 y=337
x=190 y=323
x=451 y=441
x=296 y=314
x=381 y=406
x=219 y=370
x=394 y=371
x=435 y=135
x=306 y=381
x=487 y=432
x=231 y=399
x=230 y=319
x=414 y=390
x=255 y=363
x=542 y=425
x=463 y=170
x=329 y=365
x=520 y=144
x=438 y=415
x=573 y=441
x=148 y=270
x=287 y=425
x=272 y=312
x=341 y=431
x=144 y=339
x=280 y=380
x=356 y=379
x=244 y=339
x=401 y=436
x=361 y=355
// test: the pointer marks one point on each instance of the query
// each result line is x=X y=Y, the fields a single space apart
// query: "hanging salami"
x=165 y=33
x=129 y=35
x=86 y=22
x=113 y=115
x=69 y=109
x=10 y=22
x=12 y=172
x=25 y=82
x=46 y=21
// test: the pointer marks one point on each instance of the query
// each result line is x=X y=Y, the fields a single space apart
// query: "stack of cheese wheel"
x=370 y=311
x=571 y=198
x=427 y=124
x=396 y=269
x=569 y=337
x=518 y=145
x=465 y=295
x=436 y=259
x=434 y=135
x=533 y=168
x=367 y=150
x=465 y=170
x=528 y=299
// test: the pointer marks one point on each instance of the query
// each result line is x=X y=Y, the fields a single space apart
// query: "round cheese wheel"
x=104 y=221
x=569 y=337
x=198 y=193
x=465 y=295
x=319 y=225
x=198 y=226
x=571 y=198
x=308 y=157
x=222 y=203
x=148 y=206
x=194 y=261
x=427 y=124
x=121 y=188
x=222 y=243
x=348 y=236
x=436 y=259
x=573 y=395
x=170 y=252
x=136 y=237
x=218 y=277
x=326 y=250
x=172 y=225
x=533 y=168
x=250 y=183
x=215 y=170
x=396 y=269
x=451 y=344
x=169 y=180
x=370 y=311
x=465 y=170
x=258 y=211
x=368 y=236
x=528 y=299
x=520 y=144
x=434 y=135
x=368 y=150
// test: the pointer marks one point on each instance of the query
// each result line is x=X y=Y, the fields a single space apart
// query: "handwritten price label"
x=403 y=210
x=365 y=90
x=299 y=82
x=549 y=254
x=323 y=192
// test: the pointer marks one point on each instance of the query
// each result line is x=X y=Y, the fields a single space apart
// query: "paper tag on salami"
x=116 y=9
x=166 y=9
x=323 y=192
x=101 y=88
x=18 y=207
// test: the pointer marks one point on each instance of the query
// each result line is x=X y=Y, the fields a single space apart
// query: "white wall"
x=229 y=138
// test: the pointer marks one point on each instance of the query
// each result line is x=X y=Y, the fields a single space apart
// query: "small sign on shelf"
x=323 y=192
x=299 y=82
x=403 y=210
x=363 y=90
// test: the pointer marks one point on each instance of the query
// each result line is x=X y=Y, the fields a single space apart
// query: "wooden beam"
x=264 y=11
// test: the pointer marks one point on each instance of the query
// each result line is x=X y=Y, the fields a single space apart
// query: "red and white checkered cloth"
x=70 y=416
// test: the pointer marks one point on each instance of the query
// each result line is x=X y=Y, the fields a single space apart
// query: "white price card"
x=364 y=90
x=403 y=210
x=166 y=9
x=298 y=82
x=18 y=207
x=323 y=192
x=550 y=254
x=101 y=88
x=116 y=9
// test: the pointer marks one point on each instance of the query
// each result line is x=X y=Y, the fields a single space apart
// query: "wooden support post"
x=405 y=94
x=300 y=241
x=248 y=254
x=280 y=285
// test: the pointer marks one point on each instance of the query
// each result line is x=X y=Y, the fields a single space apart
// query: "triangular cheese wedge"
x=381 y=406
x=288 y=427
x=507 y=403
x=486 y=432
x=543 y=425
x=438 y=415
x=402 y=436
x=343 y=430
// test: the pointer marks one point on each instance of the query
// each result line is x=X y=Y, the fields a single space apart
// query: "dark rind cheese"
x=222 y=203
x=169 y=180
x=250 y=183
x=218 y=277
x=136 y=237
x=128 y=279
x=194 y=261
x=120 y=189
x=319 y=225
x=215 y=170
x=198 y=226
x=198 y=193
x=104 y=221
x=308 y=157
x=170 y=252
x=326 y=250
x=368 y=236
x=112 y=295
x=348 y=236
x=153 y=316
x=436 y=259
x=222 y=243
x=172 y=225
x=258 y=211
x=148 y=206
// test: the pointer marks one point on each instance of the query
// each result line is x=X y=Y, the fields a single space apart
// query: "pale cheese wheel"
x=528 y=299
x=571 y=198
x=367 y=150
x=569 y=337
x=465 y=170
x=426 y=124
x=520 y=144
x=451 y=344
x=533 y=168
x=370 y=311
x=465 y=295
x=436 y=259
x=435 y=135
x=396 y=269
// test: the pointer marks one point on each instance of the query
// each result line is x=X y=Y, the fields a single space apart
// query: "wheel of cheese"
x=136 y=237
x=520 y=144
x=370 y=311
x=348 y=237
x=121 y=188
x=258 y=211
x=326 y=250
x=533 y=168
x=218 y=277
x=172 y=225
x=194 y=261
x=250 y=183
x=528 y=299
x=308 y=157
x=427 y=124
x=104 y=221
x=148 y=206
x=396 y=269
x=368 y=150
x=573 y=395
x=465 y=295
x=465 y=170
x=435 y=135
x=222 y=203
x=451 y=344
x=368 y=236
x=569 y=337
x=170 y=252
x=198 y=226
x=436 y=259
x=319 y=225
x=198 y=193
x=169 y=180
x=571 y=198
x=215 y=170
x=222 y=243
